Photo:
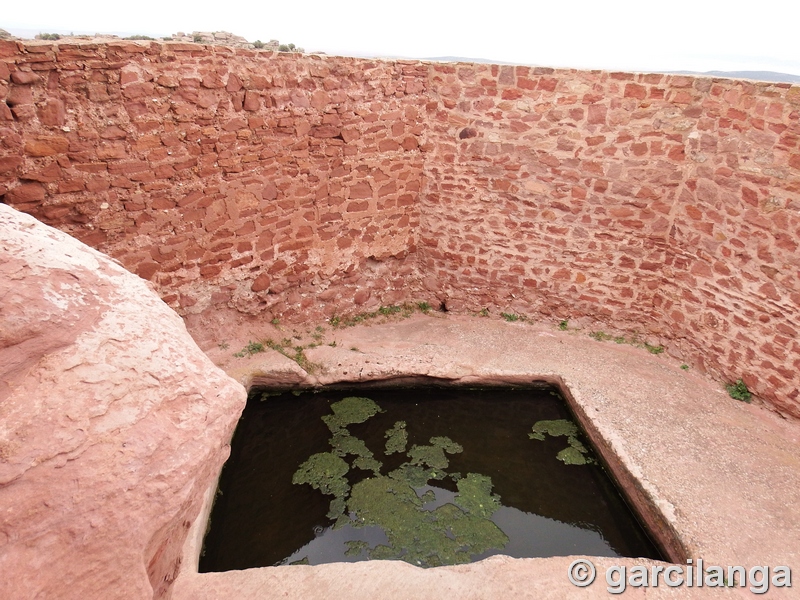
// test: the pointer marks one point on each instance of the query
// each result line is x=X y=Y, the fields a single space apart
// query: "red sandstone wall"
x=302 y=185
x=265 y=181
x=666 y=205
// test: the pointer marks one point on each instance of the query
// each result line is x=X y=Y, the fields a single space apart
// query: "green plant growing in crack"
x=402 y=311
x=576 y=453
x=250 y=349
x=653 y=349
x=416 y=532
x=285 y=347
x=739 y=391
x=602 y=336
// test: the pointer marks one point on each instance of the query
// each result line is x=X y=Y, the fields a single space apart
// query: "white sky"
x=640 y=35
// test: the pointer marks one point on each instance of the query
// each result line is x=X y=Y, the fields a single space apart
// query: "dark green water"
x=547 y=507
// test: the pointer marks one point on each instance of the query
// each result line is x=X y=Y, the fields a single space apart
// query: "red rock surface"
x=298 y=186
x=112 y=423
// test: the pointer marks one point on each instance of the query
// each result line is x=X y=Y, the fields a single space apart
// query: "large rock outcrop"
x=112 y=423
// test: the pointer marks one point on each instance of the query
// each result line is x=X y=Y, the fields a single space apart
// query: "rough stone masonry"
x=299 y=186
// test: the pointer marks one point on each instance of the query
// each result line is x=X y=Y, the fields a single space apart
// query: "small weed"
x=354 y=349
x=223 y=345
x=251 y=348
x=739 y=391
x=404 y=310
x=510 y=317
x=295 y=353
x=332 y=344
x=563 y=325
x=301 y=359
x=254 y=347
x=685 y=367
x=275 y=321
x=484 y=312
x=653 y=349
x=600 y=336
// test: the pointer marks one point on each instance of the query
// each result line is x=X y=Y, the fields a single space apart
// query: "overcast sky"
x=640 y=35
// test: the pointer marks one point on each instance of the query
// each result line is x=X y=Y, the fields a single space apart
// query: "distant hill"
x=467 y=60
x=757 y=75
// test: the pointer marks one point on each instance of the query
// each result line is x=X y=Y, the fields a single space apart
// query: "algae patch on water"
x=576 y=453
x=448 y=534
x=396 y=438
x=325 y=472
x=350 y=410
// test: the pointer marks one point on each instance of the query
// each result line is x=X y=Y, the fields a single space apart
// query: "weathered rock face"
x=112 y=422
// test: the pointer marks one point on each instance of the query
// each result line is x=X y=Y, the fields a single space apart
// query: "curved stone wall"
x=267 y=182
x=661 y=204
x=300 y=186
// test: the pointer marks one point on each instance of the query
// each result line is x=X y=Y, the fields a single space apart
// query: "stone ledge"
x=724 y=475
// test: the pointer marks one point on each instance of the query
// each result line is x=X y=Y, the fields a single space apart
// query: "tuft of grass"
x=276 y=321
x=653 y=349
x=563 y=325
x=739 y=391
x=250 y=349
x=295 y=353
x=600 y=336
x=404 y=311
x=685 y=367
x=484 y=312
x=510 y=317
x=223 y=345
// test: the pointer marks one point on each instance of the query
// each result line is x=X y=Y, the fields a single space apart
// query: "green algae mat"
x=430 y=476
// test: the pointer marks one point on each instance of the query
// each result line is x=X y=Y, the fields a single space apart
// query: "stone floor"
x=724 y=475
